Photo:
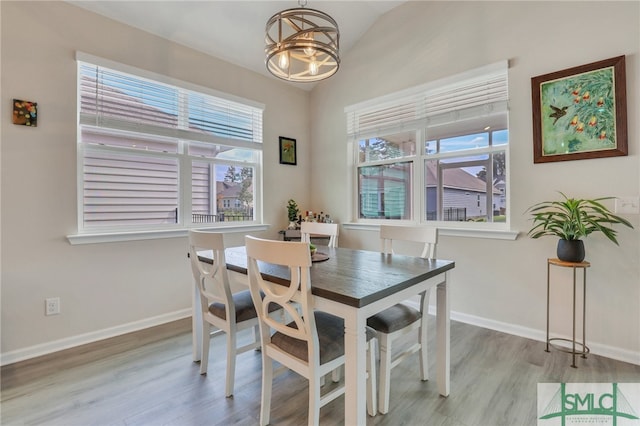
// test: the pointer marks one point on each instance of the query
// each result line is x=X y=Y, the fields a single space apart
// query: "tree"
x=246 y=173
x=379 y=149
x=246 y=195
x=231 y=175
x=499 y=167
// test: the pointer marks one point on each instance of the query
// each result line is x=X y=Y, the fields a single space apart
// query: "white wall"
x=110 y=288
x=502 y=284
x=115 y=287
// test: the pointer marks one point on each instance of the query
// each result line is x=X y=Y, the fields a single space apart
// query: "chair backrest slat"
x=212 y=279
x=318 y=228
x=428 y=236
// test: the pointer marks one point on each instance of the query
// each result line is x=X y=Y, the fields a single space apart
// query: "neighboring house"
x=464 y=196
x=500 y=201
x=229 y=196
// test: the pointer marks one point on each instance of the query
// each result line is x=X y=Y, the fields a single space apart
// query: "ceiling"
x=234 y=30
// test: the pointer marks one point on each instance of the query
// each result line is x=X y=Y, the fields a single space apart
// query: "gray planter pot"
x=571 y=250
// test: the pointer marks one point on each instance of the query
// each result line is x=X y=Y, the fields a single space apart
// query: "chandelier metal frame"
x=302 y=45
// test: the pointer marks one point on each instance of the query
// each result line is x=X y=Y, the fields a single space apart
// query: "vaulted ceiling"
x=233 y=30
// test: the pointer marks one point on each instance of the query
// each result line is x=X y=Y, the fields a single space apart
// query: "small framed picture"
x=580 y=112
x=288 y=151
x=25 y=113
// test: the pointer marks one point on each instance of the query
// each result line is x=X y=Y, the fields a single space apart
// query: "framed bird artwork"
x=580 y=112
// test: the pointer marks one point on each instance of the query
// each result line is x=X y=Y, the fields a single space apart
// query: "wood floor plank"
x=148 y=378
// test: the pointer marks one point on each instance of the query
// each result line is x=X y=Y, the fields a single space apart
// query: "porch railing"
x=456 y=214
x=220 y=217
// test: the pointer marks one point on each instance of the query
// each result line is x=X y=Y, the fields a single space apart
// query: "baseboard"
x=540 y=335
x=73 y=341
x=516 y=330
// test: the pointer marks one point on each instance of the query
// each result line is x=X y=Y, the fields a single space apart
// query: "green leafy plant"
x=292 y=210
x=573 y=219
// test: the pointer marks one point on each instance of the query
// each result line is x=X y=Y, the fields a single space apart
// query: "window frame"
x=490 y=150
x=184 y=161
x=420 y=125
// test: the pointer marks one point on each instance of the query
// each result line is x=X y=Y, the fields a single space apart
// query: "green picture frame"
x=288 y=154
x=580 y=112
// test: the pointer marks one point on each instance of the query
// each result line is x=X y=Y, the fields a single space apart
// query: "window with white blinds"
x=482 y=91
x=434 y=153
x=145 y=144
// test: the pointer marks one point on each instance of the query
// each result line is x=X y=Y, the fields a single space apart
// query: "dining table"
x=354 y=285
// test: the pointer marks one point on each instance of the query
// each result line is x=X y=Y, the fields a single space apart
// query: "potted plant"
x=292 y=213
x=571 y=220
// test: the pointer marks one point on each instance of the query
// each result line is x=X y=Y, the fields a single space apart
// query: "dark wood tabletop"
x=353 y=277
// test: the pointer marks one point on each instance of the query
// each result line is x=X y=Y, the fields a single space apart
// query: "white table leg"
x=443 y=333
x=196 y=323
x=355 y=369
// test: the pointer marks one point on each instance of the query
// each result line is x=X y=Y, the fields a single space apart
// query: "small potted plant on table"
x=571 y=220
x=292 y=213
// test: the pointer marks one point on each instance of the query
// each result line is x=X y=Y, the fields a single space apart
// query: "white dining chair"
x=312 y=343
x=317 y=228
x=216 y=300
x=307 y=229
x=402 y=318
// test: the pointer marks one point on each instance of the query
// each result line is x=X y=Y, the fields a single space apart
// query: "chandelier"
x=302 y=45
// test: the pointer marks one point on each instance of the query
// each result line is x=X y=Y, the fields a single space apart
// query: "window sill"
x=496 y=234
x=112 y=237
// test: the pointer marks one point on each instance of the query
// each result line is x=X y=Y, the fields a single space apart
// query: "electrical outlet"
x=52 y=306
x=629 y=205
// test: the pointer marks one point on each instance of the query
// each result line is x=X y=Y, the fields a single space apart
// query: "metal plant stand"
x=585 y=350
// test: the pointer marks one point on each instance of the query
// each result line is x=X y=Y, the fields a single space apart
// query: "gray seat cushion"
x=330 y=337
x=394 y=318
x=244 y=307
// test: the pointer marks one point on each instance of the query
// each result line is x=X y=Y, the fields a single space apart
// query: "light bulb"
x=309 y=51
x=313 y=66
x=283 y=60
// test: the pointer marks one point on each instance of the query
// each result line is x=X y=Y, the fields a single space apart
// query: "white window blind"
x=138 y=134
x=122 y=101
x=471 y=94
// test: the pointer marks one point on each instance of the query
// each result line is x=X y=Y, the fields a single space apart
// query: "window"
x=159 y=154
x=465 y=177
x=385 y=177
x=435 y=153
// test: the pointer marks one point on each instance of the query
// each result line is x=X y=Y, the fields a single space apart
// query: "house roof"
x=456 y=178
x=228 y=189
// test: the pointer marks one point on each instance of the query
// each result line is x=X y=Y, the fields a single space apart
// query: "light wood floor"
x=148 y=378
